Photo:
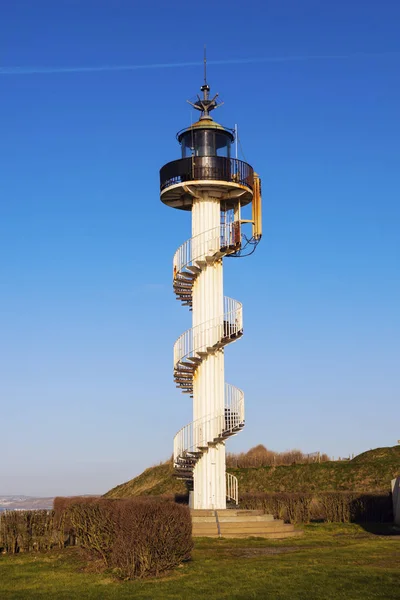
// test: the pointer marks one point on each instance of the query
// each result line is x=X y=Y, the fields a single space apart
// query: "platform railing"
x=200 y=168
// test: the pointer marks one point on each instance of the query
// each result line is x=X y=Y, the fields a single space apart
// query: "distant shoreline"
x=25 y=503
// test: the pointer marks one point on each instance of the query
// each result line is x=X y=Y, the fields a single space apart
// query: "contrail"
x=179 y=65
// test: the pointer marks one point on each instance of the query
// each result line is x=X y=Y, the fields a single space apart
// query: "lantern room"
x=206 y=138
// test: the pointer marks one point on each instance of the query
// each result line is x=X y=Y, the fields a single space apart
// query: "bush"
x=26 y=530
x=136 y=537
x=64 y=529
x=335 y=507
x=151 y=538
x=346 y=507
x=293 y=508
x=260 y=456
x=374 y=507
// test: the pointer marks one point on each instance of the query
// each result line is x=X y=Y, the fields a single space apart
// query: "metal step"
x=218 y=346
x=195 y=270
x=188 y=275
x=187 y=365
x=188 y=372
x=182 y=284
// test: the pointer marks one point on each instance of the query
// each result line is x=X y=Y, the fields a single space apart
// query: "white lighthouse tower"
x=214 y=186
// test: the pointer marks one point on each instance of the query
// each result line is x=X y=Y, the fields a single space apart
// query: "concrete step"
x=234 y=519
x=239 y=523
x=195 y=512
x=253 y=527
x=238 y=514
x=240 y=511
x=227 y=512
x=276 y=535
x=246 y=519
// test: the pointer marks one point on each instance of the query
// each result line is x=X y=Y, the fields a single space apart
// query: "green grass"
x=368 y=472
x=330 y=562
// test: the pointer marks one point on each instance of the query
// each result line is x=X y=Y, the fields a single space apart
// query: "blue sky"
x=87 y=313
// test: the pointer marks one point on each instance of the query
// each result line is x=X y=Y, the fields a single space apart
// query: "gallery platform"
x=236 y=523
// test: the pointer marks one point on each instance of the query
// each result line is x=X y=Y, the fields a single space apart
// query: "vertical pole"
x=208 y=382
x=236 y=141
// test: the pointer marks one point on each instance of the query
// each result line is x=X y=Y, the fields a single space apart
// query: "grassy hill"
x=154 y=481
x=370 y=471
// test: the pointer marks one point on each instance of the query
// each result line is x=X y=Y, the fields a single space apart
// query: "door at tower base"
x=209 y=480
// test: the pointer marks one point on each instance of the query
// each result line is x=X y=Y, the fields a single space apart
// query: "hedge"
x=27 y=530
x=134 y=537
x=338 y=507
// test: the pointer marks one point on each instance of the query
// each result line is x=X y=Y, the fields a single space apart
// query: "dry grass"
x=368 y=472
x=260 y=456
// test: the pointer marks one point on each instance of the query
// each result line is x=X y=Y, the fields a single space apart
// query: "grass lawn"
x=330 y=562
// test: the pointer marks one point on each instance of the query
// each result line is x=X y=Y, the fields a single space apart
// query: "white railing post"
x=232 y=488
x=205 y=244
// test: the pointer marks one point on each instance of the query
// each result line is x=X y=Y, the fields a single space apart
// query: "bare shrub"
x=66 y=535
x=374 y=507
x=346 y=507
x=27 y=530
x=9 y=531
x=151 y=538
x=94 y=526
x=334 y=507
x=291 y=507
x=137 y=537
x=260 y=456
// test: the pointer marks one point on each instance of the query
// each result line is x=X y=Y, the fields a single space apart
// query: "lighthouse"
x=214 y=186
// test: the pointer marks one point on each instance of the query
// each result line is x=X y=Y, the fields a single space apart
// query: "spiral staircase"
x=198 y=343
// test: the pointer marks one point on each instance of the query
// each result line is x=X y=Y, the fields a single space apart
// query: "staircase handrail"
x=208 y=334
x=232 y=488
x=227 y=234
x=203 y=431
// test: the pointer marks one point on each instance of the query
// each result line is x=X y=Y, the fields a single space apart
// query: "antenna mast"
x=205 y=65
x=204 y=104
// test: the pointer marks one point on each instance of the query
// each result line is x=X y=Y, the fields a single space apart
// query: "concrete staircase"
x=231 y=523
